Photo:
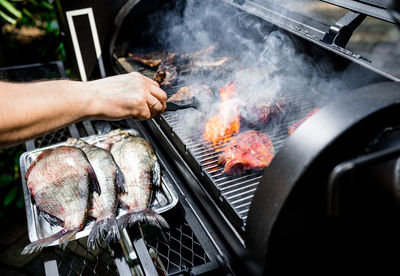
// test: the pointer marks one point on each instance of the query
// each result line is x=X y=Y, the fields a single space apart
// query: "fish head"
x=75 y=142
x=115 y=136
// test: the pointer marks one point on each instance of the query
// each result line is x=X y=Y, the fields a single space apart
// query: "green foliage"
x=11 y=194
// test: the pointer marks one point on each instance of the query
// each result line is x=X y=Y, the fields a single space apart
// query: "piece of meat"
x=249 y=150
x=153 y=60
x=296 y=124
x=166 y=74
x=264 y=111
x=207 y=63
x=186 y=93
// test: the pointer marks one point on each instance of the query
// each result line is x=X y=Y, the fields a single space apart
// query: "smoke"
x=266 y=64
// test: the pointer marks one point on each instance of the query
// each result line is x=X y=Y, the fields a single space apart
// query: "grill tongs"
x=190 y=103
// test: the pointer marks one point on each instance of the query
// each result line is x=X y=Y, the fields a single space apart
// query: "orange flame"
x=228 y=91
x=226 y=123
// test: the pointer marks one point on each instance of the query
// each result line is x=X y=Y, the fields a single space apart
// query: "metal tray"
x=38 y=228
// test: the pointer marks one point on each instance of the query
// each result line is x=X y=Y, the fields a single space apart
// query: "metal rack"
x=172 y=252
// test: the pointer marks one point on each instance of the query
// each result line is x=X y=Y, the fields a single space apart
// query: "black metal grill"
x=78 y=260
x=233 y=193
x=176 y=250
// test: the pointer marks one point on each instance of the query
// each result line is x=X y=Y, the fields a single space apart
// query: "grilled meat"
x=59 y=181
x=153 y=60
x=249 y=150
x=166 y=74
x=206 y=63
x=139 y=165
x=296 y=124
x=186 y=93
x=264 y=111
x=103 y=207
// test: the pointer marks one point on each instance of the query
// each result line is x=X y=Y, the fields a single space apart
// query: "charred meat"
x=166 y=74
x=296 y=124
x=138 y=162
x=153 y=60
x=59 y=181
x=264 y=111
x=186 y=93
x=250 y=150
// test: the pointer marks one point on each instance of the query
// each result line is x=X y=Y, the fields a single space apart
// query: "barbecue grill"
x=313 y=207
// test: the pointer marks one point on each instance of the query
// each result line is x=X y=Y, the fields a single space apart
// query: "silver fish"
x=138 y=162
x=59 y=182
x=103 y=207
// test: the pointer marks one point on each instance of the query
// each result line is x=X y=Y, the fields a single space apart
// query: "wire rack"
x=177 y=250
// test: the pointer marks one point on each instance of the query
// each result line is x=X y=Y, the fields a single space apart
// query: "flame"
x=226 y=123
x=228 y=91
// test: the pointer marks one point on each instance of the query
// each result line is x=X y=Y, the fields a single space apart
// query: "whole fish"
x=59 y=182
x=138 y=162
x=111 y=181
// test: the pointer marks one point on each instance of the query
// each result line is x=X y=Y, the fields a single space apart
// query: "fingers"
x=160 y=95
x=155 y=106
x=148 y=80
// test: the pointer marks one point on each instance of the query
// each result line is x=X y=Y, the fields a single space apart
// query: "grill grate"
x=77 y=260
x=53 y=138
x=234 y=194
x=177 y=250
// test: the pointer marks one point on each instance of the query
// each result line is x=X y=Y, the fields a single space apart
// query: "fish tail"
x=63 y=236
x=145 y=216
x=106 y=228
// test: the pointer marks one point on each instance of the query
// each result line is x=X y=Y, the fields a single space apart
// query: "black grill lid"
x=374 y=8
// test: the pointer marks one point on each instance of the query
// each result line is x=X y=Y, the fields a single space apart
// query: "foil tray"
x=163 y=199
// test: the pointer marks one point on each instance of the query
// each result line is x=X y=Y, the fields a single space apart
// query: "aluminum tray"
x=38 y=228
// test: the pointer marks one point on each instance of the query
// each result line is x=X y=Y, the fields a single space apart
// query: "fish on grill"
x=166 y=74
x=249 y=150
x=103 y=207
x=186 y=93
x=153 y=60
x=296 y=124
x=138 y=162
x=59 y=181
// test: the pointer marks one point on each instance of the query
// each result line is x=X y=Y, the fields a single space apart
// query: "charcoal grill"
x=278 y=219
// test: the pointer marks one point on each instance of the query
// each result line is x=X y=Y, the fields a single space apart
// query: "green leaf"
x=10 y=7
x=20 y=202
x=10 y=196
x=7 y=18
x=5 y=179
x=46 y=5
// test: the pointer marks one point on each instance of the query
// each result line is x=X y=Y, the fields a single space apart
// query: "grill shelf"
x=175 y=251
x=233 y=194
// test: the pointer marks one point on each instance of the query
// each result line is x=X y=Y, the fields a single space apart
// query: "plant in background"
x=24 y=21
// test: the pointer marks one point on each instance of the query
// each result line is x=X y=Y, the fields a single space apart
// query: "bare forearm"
x=30 y=109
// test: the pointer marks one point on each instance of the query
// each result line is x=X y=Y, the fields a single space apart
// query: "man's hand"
x=123 y=96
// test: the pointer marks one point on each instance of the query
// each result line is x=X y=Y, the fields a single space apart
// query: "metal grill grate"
x=53 y=138
x=176 y=250
x=233 y=193
x=77 y=260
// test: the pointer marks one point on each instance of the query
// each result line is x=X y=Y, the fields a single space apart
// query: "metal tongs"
x=191 y=103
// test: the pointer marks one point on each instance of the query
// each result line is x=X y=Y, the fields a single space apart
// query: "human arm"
x=28 y=110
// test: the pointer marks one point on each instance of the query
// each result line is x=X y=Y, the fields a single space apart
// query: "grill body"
x=265 y=218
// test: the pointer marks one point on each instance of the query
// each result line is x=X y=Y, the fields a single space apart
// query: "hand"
x=128 y=95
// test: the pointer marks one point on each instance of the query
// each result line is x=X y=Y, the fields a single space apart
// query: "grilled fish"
x=59 y=182
x=103 y=207
x=139 y=165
